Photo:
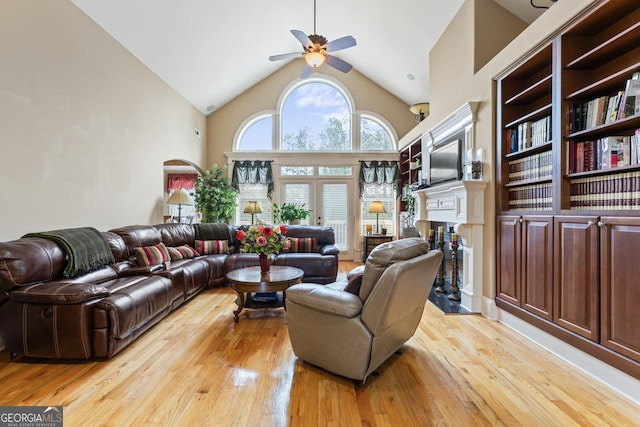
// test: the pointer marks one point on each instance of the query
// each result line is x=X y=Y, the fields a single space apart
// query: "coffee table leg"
x=240 y=303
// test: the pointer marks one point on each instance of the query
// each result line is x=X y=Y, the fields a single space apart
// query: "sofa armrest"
x=127 y=269
x=325 y=299
x=58 y=293
x=329 y=250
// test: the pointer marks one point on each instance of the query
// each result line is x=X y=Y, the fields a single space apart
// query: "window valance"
x=180 y=180
x=252 y=173
x=379 y=172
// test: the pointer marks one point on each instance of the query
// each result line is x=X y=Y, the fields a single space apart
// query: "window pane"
x=335 y=212
x=316 y=116
x=298 y=194
x=374 y=136
x=384 y=193
x=296 y=170
x=335 y=170
x=258 y=193
x=258 y=135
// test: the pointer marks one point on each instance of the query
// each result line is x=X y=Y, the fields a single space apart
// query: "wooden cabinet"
x=525 y=275
x=410 y=168
x=620 y=293
x=576 y=275
x=570 y=271
x=371 y=242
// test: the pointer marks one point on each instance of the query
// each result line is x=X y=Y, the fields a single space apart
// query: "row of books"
x=536 y=166
x=620 y=191
x=606 y=109
x=604 y=153
x=529 y=134
x=535 y=197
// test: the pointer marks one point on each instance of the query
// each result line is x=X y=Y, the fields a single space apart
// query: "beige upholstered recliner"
x=351 y=335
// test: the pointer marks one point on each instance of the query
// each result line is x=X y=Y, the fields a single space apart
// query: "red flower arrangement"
x=261 y=239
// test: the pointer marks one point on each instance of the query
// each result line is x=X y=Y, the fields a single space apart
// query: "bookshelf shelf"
x=560 y=204
x=529 y=151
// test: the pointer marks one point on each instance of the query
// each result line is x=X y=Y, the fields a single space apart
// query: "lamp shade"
x=314 y=59
x=252 y=207
x=377 y=207
x=420 y=111
x=180 y=197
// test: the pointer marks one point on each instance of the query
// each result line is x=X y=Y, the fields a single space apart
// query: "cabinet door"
x=620 y=292
x=537 y=265
x=508 y=251
x=576 y=292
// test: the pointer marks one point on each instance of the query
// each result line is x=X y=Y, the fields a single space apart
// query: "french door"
x=332 y=204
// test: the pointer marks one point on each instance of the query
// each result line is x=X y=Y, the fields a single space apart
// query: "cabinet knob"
x=520 y=220
x=590 y=223
x=600 y=224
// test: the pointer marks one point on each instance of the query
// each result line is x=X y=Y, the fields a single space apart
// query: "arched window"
x=316 y=115
x=256 y=134
x=375 y=135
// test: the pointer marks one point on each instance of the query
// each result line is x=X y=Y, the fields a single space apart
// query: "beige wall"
x=223 y=123
x=453 y=83
x=84 y=126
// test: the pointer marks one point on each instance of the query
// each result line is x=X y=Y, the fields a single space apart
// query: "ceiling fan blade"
x=285 y=56
x=341 y=43
x=302 y=38
x=339 y=64
x=306 y=71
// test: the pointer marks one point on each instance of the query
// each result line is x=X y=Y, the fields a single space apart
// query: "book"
x=631 y=105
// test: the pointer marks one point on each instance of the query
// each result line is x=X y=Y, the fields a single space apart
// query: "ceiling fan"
x=317 y=50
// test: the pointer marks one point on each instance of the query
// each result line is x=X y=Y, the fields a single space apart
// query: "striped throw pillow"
x=182 y=252
x=303 y=244
x=209 y=247
x=152 y=255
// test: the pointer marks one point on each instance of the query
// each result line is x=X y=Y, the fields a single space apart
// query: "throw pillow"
x=152 y=255
x=182 y=252
x=303 y=244
x=209 y=247
x=353 y=286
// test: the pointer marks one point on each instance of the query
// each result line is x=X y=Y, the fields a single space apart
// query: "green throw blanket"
x=86 y=248
x=212 y=231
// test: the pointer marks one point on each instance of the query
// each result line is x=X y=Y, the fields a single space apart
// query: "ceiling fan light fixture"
x=314 y=59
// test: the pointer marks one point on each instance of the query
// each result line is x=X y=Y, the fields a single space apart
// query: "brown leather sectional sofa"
x=97 y=314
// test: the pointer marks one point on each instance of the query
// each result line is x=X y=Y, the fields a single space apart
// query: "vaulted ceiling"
x=211 y=51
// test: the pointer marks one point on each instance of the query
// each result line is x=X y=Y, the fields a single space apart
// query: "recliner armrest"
x=329 y=250
x=325 y=299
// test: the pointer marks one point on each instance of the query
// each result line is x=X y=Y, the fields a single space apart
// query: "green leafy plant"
x=410 y=203
x=289 y=212
x=214 y=196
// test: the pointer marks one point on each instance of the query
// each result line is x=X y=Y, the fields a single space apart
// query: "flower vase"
x=265 y=263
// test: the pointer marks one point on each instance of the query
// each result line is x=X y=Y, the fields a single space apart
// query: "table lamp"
x=253 y=208
x=377 y=208
x=180 y=197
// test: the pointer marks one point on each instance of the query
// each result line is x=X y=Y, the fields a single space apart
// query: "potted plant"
x=408 y=230
x=214 y=196
x=290 y=212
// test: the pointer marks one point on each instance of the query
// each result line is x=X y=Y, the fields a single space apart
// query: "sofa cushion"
x=182 y=252
x=59 y=293
x=209 y=247
x=353 y=286
x=30 y=260
x=152 y=255
x=303 y=244
x=175 y=234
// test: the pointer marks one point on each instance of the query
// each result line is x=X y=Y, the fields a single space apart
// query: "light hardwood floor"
x=197 y=367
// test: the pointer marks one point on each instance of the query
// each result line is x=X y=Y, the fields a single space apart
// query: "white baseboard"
x=613 y=378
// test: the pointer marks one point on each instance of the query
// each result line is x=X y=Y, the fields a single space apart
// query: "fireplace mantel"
x=460 y=203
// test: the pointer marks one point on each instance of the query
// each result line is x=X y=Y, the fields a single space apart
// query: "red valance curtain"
x=180 y=180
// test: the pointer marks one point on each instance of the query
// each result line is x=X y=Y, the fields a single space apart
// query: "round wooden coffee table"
x=248 y=280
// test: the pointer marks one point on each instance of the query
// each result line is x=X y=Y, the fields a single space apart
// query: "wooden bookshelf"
x=410 y=167
x=584 y=211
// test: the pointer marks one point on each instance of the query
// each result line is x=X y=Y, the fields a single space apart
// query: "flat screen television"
x=444 y=163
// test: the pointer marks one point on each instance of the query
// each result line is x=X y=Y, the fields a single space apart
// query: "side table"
x=371 y=241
